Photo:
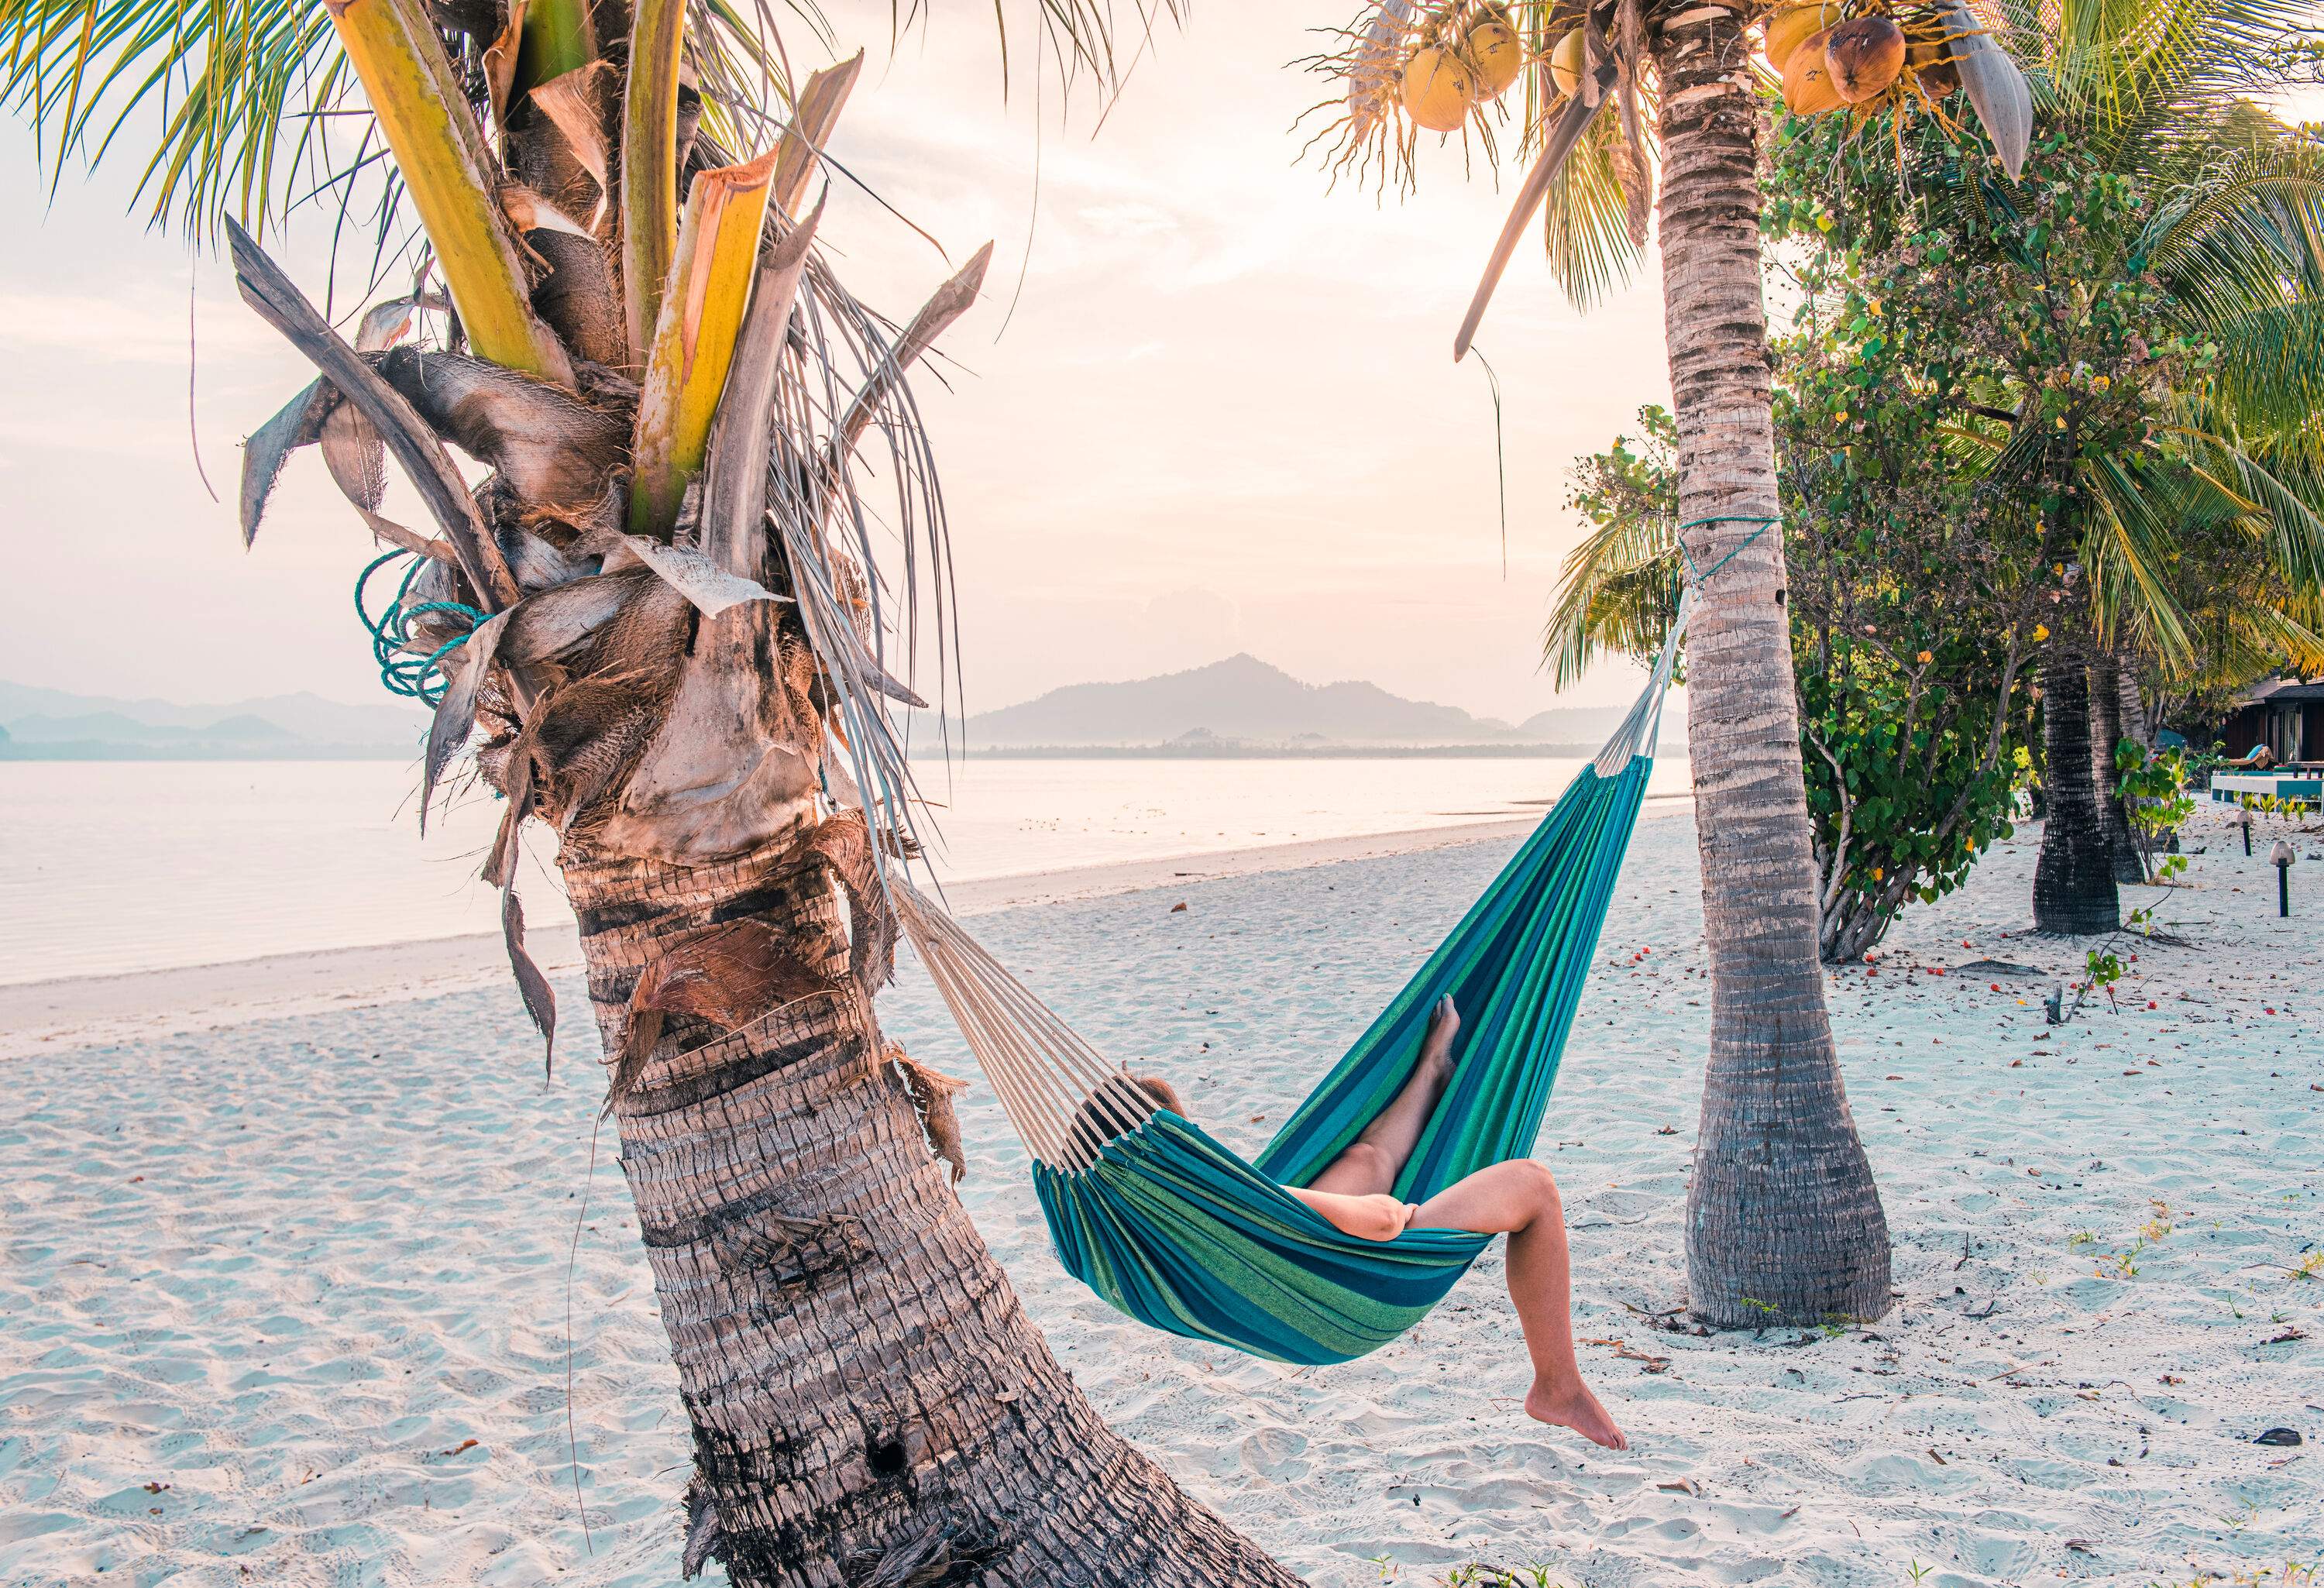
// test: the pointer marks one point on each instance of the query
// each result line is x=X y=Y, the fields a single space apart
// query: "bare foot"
x=1573 y=1407
x=1436 y=1046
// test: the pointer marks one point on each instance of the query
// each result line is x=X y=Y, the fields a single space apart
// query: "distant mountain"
x=58 y=725
x=1594 y=723
x=1244 y=703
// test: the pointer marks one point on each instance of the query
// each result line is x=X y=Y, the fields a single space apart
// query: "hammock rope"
x=1176 y=1230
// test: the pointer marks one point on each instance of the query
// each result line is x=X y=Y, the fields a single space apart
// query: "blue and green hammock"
x=1171 y=1227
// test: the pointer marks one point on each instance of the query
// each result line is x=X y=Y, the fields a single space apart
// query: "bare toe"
x=1577 y=1409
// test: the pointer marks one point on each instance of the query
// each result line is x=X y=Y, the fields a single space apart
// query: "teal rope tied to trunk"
x=1703 y=576
x=416 y=678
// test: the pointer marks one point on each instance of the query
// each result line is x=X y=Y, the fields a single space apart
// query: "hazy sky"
x=1223 y=418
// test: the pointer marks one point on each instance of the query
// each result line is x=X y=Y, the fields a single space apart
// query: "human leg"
x=1520 y=1198
x=1372 y=1162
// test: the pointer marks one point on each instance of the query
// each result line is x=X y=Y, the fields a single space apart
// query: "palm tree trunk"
x=1783 y=1220
x=869 y=1401
x=2073 y=881
x=2106 y=733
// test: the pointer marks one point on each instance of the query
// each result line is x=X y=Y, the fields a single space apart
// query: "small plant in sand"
x=1476 y=1573
x=2310 y=1267
x=2292 y=1574
x=2123 y=1265
x=2155 y=800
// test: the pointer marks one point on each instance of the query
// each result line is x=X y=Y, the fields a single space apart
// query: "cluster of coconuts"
x=1830 y=61
x=1467 y=56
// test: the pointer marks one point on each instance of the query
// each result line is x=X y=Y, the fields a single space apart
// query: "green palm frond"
x=1619 y=590
x=2270 y=634
x=2129 y=542
x=2284 y=497
x=1584 y=224
x=229 y=101
x=2248 y=235
x=2270 y=369
x=246 y=107
x=2131 y=71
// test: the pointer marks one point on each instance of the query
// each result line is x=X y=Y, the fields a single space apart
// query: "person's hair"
x=1120 y=1105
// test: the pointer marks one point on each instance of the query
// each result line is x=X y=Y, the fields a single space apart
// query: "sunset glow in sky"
x=1223 y=417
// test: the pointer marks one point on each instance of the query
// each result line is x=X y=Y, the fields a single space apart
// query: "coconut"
x=1437 y=89
x=1496 y=57
x=1786 y=28
x=1565 y=62
x=1865 y=56
x=1808 y=88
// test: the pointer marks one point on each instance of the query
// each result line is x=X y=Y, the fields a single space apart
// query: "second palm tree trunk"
x=2073 y=881
x=2105 y=733
x=1783 y=1220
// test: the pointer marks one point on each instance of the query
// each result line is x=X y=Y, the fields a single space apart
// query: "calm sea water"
x=109 y=866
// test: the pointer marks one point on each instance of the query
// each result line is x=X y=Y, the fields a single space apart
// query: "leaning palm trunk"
x=2105 y=681
x=1783 y=1220
x=869 y=1402
x=2073 y=880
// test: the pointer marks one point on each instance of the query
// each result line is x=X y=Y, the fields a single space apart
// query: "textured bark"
x=2106 y=733
x=1783 y=1220
x=869 y=1401
x=2073 y=880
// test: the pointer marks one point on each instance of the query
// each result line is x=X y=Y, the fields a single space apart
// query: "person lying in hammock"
x=1516 y=1198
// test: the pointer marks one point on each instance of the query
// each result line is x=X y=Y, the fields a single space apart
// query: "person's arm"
x=1366 y=1218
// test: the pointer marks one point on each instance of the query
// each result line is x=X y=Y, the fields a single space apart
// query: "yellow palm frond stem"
x=649 y=163
x=702 y=306
x=440 y=154
x=558 y=37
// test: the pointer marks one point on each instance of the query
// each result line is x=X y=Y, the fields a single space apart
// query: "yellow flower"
x=2041 y=632
x=1924 y=659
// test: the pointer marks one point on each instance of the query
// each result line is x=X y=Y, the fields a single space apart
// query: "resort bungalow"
x=2286 y=717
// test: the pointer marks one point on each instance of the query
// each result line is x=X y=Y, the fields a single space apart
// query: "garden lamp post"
x=2282 y=856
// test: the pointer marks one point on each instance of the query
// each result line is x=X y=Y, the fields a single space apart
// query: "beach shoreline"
x=75 y=1011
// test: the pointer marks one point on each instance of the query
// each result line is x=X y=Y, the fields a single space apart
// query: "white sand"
x=289 y=1267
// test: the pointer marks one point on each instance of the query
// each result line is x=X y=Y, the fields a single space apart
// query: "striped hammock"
x=1167 y=1225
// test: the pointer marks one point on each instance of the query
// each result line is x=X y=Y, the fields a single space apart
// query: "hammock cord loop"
x=1698 y=576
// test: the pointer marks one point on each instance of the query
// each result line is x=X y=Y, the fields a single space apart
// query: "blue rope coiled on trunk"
x=414 y=677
